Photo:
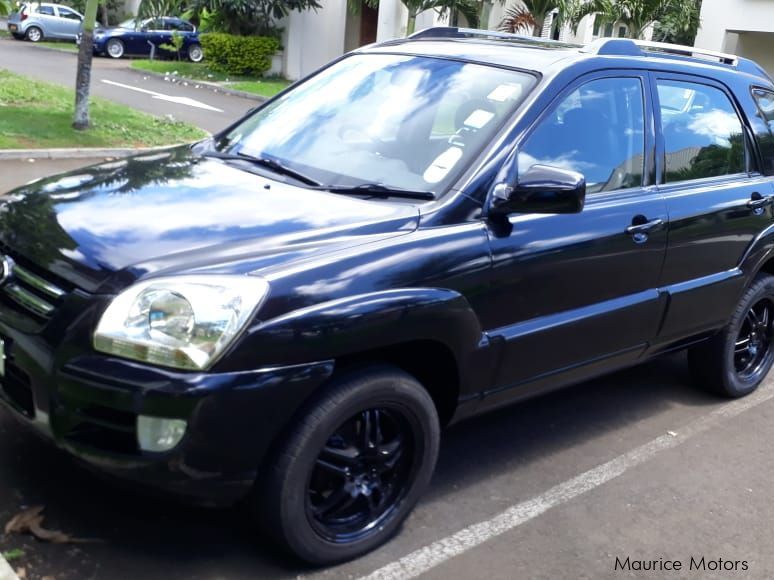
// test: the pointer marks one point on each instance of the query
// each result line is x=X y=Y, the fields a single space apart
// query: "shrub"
x=238 y=55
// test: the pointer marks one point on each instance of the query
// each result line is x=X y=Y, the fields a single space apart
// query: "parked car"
x=140 y=38
x=288 y=312
x=36 y=21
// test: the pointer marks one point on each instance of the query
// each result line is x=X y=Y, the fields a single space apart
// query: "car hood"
x=102 y=227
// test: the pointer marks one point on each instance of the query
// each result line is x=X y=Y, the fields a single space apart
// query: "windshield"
x=128 y=24
x=405 y=122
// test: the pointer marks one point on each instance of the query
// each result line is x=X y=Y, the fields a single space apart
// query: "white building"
x=741 y=27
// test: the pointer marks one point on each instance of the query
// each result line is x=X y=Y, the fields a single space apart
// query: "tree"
x=680 y=24
x=248 y=17
x=83 y=74
x=530 y=15
x=637 y=15
x=5 y=7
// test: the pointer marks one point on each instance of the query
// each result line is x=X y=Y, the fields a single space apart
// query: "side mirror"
x=541 y=189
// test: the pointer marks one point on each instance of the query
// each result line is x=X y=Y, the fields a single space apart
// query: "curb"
x=6 y=572
x=82 y=153
x=175 y=79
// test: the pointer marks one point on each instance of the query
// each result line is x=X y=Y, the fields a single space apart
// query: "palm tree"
x=531 y=15
x=467 y=8
x=5 y=7
x=526 y=16
x=637 y=15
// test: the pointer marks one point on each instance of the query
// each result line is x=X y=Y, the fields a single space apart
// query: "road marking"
x=6 y=572
x=438 y=552
x=163 y=97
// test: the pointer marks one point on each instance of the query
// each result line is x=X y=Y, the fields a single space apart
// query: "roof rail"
x=457 y=32
x=631 y=47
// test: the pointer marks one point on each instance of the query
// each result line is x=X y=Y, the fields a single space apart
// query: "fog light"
x=158 y=434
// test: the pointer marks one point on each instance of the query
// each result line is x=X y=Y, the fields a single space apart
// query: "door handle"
x=644 y=228
x=759 y=202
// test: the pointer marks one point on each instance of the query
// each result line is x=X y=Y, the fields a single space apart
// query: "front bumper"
x=89 y=405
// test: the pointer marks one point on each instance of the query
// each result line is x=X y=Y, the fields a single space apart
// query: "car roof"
x=541 y=55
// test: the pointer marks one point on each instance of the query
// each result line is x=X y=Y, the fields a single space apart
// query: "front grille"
x=32 y=293
x=18 y=389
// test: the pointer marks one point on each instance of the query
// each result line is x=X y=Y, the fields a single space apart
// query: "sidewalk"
x=6 y=572
x=18 y=172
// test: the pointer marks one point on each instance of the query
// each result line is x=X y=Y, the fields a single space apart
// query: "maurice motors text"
x=702 y=564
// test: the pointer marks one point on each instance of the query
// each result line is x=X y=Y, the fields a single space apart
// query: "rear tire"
x=115 y=48
x=34 y=34
x=737 y=359
x=195 y=53
x=353 y=467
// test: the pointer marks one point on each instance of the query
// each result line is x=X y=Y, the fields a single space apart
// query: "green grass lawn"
x=59 y=45
x=34 y=114
x=199 y=71
x=265 y=88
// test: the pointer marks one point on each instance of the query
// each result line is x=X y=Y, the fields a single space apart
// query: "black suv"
x=425 y=229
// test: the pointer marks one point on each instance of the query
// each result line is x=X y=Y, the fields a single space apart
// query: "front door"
x=581 y=290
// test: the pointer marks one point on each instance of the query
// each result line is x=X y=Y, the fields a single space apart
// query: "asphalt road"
x=114 y=80
x=640 y=464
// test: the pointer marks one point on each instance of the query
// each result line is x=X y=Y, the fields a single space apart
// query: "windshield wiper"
x=378 y=190
x=270 y=164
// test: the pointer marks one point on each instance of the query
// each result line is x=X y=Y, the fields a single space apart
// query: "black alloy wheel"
x=357 y=459
x=361 y=475
x=737 y=359
x=752 y=349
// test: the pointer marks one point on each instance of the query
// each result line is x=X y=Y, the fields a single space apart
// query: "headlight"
x=183 y=322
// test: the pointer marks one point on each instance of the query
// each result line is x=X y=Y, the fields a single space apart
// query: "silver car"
x=36 y=21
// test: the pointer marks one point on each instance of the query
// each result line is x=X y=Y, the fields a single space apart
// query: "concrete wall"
x=742 y=27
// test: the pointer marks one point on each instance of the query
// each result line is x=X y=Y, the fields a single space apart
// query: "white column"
x=392 y=20
x=314 y=38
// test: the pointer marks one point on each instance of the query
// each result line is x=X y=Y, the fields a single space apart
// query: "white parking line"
x=162 y=97
x=438 y=552
x=6 y=572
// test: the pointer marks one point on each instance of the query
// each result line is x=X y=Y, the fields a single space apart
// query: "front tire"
x=735 y=361
x=115 y=48
x=353 y=468
x=34 y=34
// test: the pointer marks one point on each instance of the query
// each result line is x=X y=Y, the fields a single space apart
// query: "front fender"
x=359 y=323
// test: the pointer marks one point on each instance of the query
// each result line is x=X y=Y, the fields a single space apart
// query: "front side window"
x=67 y=13
x=703 y=135
x=407 y=122
x=598 y=130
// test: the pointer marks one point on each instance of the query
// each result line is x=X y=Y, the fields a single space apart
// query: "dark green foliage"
x=680 y=24
x=238 y=55
x=247 y=17
x=110 y=13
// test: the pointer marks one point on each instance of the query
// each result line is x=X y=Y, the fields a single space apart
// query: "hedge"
x=238 y=55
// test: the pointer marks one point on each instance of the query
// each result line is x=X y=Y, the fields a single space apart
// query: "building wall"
x=741 y=27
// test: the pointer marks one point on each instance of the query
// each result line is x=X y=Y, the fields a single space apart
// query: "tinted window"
x=765 y=100
x=598 y=130
x=67 y=13
x=404 y=121
x=179 y=25
x=47 y=10
x=703 y=135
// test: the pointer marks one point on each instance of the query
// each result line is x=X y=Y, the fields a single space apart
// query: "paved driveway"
x=113 y=80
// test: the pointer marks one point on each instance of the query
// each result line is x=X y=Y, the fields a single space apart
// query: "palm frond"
x=517 y=19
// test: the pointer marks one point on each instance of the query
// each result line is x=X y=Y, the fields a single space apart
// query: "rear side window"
x=598 y=130
x=46 y=10
x=703 y=135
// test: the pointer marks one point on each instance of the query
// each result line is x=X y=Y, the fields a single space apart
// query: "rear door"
x=717 y=200
x=49 y=21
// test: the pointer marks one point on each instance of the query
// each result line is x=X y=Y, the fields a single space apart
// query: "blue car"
x=140 y=38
